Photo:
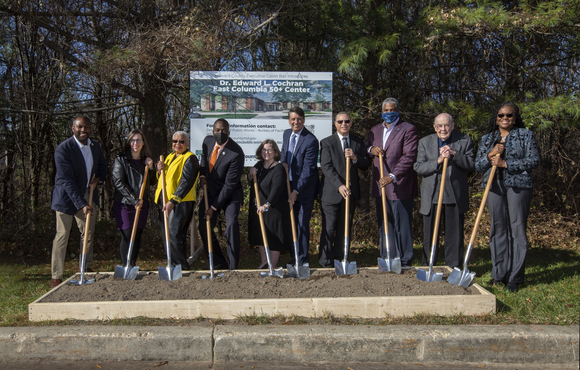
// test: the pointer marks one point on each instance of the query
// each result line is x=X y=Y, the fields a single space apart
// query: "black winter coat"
x=127 y=180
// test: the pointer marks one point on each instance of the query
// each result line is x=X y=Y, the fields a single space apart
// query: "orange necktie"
x=213 y=158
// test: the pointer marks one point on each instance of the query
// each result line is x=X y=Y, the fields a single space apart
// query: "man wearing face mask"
x=222 y=163
x=397 y=141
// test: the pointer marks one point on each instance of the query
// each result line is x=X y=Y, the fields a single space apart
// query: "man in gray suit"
x=458 y=147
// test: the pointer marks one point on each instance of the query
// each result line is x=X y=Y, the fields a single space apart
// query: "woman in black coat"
x=128 y=171
x=273 y=190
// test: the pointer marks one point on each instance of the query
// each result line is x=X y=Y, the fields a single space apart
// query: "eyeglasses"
x=179 y=141
x=135 y=141
x=441 y=127
x=509 y=115
x=346 y=121
x=268 y=150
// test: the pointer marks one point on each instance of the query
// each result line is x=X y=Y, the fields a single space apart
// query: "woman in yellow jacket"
x=181 y=174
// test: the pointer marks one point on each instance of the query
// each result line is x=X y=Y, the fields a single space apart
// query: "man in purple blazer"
x=77 y=159
x=397 y=141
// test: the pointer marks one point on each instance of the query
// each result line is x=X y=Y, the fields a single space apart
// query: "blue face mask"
x=390 y=117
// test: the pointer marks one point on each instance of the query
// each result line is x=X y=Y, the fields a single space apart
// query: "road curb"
x=106 y=343
x=519 y=344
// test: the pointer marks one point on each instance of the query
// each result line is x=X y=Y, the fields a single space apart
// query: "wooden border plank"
x=363 y=307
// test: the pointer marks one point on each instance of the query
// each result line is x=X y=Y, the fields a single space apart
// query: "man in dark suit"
x=299 y=156
x=334 y=193
x=221 y=167
x=77 y=159
x=433 y=149
x=397 y=141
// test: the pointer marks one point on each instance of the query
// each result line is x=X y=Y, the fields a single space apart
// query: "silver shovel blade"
x=82 y=281
x=169 y=273
x=303 y=271
x=212 y=276
x=424 y=276
x=467 y=279
x=345 y=268
x=131 y=274
x=119 y=272
x=279 y=272
x=455 y=276
x=386 y=265
x=128 y=273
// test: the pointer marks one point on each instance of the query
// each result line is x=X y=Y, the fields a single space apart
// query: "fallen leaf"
x=481 y=365
x=97 y=365
x=161 y=363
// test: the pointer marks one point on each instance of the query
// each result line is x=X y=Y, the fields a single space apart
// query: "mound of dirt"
x=244 y=284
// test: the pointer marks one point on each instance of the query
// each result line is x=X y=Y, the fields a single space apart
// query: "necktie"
x=345 y=143
x=213 y=158
x=291 y=149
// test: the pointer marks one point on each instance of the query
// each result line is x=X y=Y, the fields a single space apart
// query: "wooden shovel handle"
x=138 y=208
x=88 y=218
x=292 y=220
x=383 y=196
x=207 y=220
x=440 y=202
x=260 y=216
x=484 y=199
x=347 y=201
x=164 y=195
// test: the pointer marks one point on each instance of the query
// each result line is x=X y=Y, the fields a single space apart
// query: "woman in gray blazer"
x=511 y=191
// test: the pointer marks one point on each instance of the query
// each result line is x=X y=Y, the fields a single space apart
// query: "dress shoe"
x=495 y=282
x=88 y=269
x=221 y=266
x=264 y=266
x=511 y=287
x=55 y=282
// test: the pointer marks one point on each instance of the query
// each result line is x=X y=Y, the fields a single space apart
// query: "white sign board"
x=256 y=105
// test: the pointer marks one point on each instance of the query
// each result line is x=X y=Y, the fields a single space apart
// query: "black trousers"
x=452 y=223
x=178 y=220
x=231 y=211
x=125 y=240
x=332 y=235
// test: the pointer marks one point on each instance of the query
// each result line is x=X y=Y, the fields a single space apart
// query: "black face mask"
x=220 y=137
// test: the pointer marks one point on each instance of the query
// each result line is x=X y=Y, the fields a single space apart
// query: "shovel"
x=387 y=264
x=344 y=267
x=168 y=273
x=209 y=241
x=85 y=243
x=296 y=271
x=430 y=276
x=130 y=272
x=464 y=277
x=278 y=272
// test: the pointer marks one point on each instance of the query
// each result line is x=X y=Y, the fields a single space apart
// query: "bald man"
x=433 y=149
x=79 y=163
